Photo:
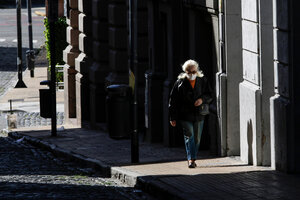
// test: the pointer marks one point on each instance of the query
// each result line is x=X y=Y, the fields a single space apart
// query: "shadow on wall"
x=250 y=141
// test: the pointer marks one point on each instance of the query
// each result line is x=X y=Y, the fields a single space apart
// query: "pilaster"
x=100 y=67
x=257 y=87
x=141 y=61
x=250 y=91
x=229 y=77
x=267 y=74
x=154 y=81
x=83 y=62
x=117 y=38
x=280 y=102
x=285 y=108
x=69 y=55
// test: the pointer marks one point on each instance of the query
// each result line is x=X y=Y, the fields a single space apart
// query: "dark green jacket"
x=183 y=97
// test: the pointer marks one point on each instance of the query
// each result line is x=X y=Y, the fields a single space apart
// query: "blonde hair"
x=186 y=66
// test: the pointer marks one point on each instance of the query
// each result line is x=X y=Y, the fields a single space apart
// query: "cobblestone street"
x=30 y=173
x=25 y=119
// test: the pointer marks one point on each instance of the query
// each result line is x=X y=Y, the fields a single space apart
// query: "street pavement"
x=30 y=173
x=27 y=106
x=8 y=43
x=27 y=111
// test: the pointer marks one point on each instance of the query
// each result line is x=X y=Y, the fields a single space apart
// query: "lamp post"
x=134 y=135
x=20 y=83
x=52 y=18
x=30 y=52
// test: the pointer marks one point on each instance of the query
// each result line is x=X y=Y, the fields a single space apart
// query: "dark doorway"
x=199 y=46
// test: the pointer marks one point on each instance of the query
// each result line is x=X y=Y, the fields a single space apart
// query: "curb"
x=125 y=176
x=149 y=184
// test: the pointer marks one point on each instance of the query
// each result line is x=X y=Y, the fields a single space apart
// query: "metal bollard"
x=30 y=57
x=30 y=61
x=45 y=100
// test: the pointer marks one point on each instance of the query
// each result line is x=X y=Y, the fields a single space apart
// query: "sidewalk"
x=162 y=171
x=30 y=95
x=27 y=105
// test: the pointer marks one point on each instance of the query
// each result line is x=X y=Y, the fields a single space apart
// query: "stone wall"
x=285 y=103
x=83 y=62
x=257 y=86
x=100 y=66
x=229 y=77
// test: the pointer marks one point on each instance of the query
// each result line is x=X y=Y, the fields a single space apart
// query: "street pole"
x=20 y=83
x=52 y=18
x=134 y=136
x=30 y=53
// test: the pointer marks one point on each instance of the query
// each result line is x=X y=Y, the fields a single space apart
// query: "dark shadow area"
x=201 y=45
x=106 y=149
x=21 y=190
x=8 y=58
x=242 y=185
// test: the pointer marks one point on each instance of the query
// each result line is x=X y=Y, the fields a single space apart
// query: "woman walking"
x=189 y=92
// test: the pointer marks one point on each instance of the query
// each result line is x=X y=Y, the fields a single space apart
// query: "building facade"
x=246 y=48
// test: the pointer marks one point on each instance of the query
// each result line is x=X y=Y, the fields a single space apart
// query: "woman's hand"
x=173 y=123
x=198 y=102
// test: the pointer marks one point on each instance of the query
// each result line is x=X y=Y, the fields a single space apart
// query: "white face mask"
x=191 y=76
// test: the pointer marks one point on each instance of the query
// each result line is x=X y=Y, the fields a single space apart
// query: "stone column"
x=229 y=76
x=140 y=56
x=285 y=103
x=256 y=88
x=117 y=36
x=60 y=8
x=280 y=102
x=83 y=62
x=294 y=138
x=267 y=75
x=99 y=68
x=70 y=53
x=250 y=93
x=154 y=79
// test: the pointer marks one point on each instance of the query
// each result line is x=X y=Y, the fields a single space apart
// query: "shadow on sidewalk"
x=98 y=145
x=241 y=185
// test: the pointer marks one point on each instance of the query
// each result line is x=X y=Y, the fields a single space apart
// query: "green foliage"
x=59 y=74
x=60 y=39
